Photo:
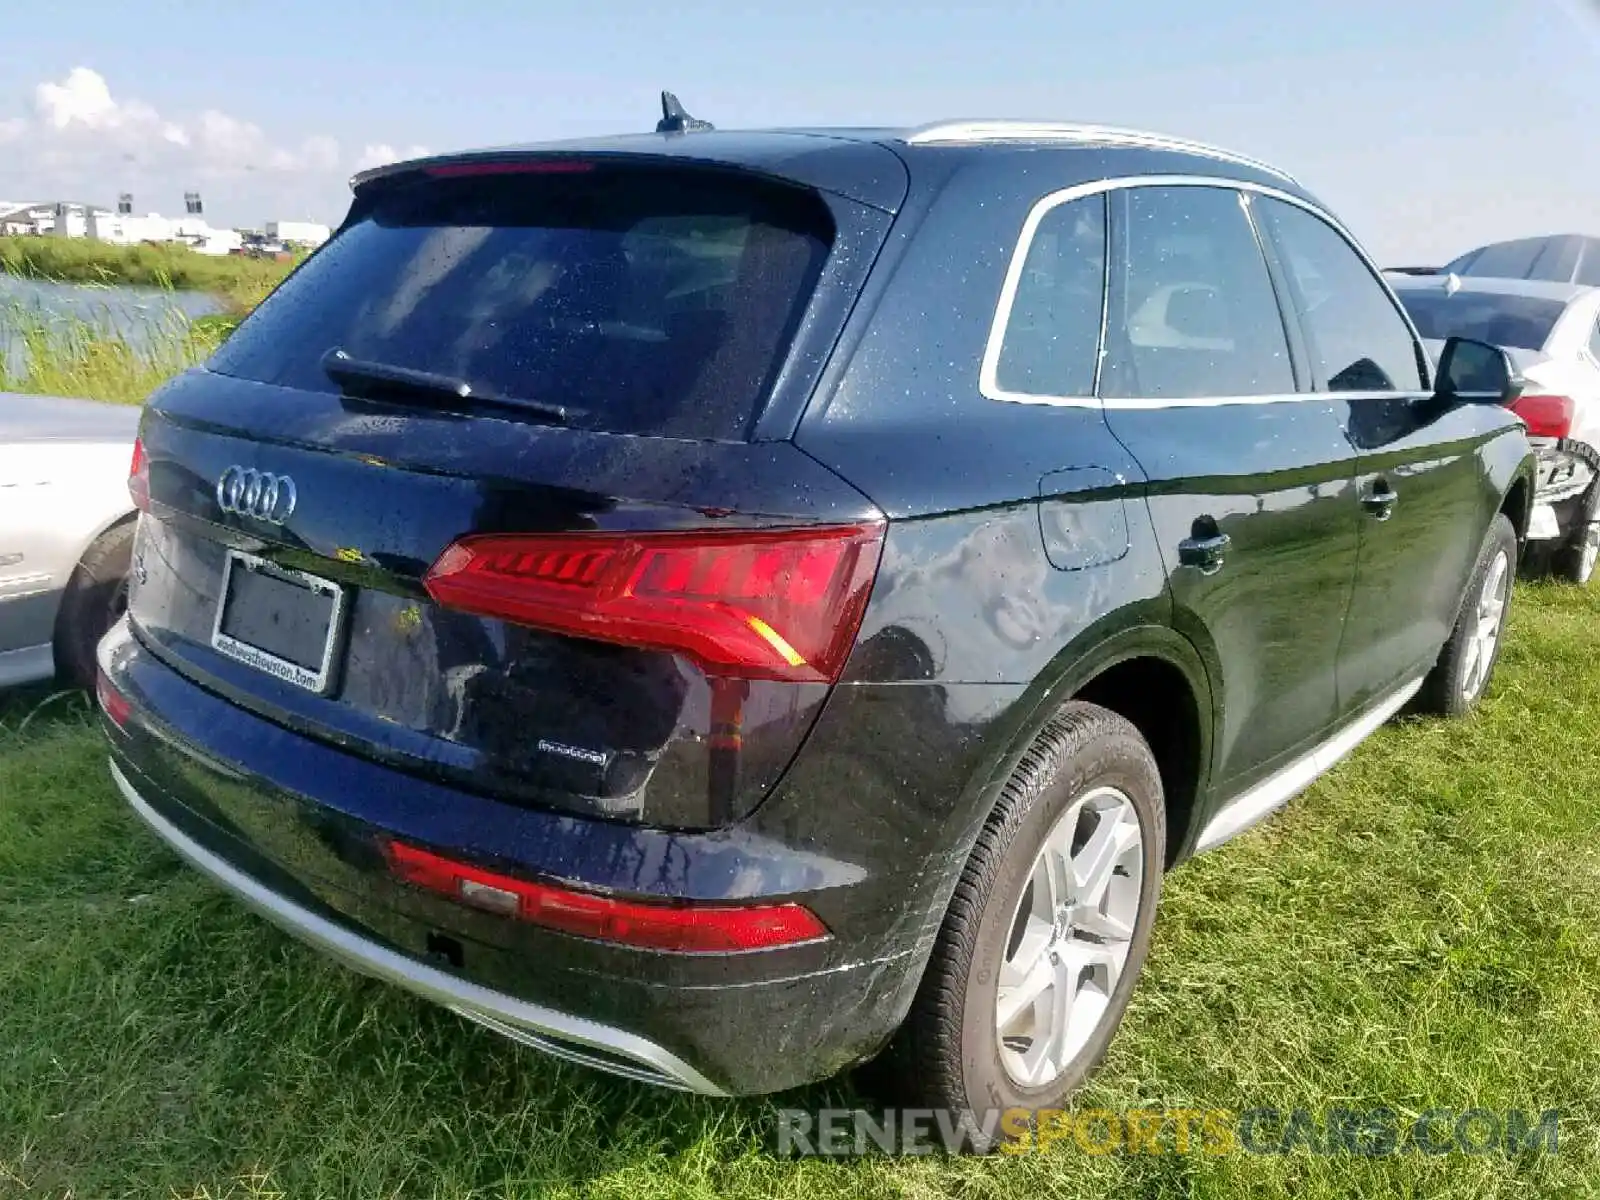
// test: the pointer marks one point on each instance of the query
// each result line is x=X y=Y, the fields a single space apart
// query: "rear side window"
x=1558 y=261
x=1052 y=336
x=1502 y=260
x=1515 y=322
x=1594 y=341
x=1193 y=309
x=645 y=300
x=1358 y=339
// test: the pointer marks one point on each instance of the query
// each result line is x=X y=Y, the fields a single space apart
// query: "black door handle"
x=1380 y=501
x=1206 y=553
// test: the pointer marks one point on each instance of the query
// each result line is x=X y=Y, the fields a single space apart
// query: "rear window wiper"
x=368 y=378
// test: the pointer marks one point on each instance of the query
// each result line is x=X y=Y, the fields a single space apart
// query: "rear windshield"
x=1515 y=322
x=642 y=300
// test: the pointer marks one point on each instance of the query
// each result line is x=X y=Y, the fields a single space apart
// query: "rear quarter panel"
x=55 y=499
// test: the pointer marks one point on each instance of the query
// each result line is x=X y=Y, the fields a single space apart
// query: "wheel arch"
x=1130 y=672
x=1516 y=501
x=117 y=521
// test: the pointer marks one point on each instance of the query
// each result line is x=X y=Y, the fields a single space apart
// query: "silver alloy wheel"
x=1485 y=637
x=1069 y=937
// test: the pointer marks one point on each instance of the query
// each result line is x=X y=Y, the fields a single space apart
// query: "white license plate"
x=281 y=621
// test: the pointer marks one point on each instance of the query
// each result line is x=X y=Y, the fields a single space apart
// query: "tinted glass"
x=1358 y=340
x=1515 y=322
x=644 y=300
x=1557 y=261
x=1589 y=268
x=1053 y=335
x=1194 y=311
x=1503 y=260
x=1594 y=342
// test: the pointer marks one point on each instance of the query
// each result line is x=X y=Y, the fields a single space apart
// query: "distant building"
x=75 y=219
x=297 y=233
x=18 y=217
x=125 y=228
x=50 y=218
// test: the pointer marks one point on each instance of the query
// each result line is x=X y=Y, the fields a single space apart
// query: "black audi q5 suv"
x=724 y=607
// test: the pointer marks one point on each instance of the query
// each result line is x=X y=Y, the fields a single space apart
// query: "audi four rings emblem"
x=258 y=494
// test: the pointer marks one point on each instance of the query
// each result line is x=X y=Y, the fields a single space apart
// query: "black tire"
x=1446 y=691
x=96 y=597
x=1575 y=561
x=947 y=1054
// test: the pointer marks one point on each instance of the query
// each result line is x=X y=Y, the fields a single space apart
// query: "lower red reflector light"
x=680 y=928
x=113 y=703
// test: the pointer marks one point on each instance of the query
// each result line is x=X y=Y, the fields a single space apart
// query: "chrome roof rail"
x=969 y=132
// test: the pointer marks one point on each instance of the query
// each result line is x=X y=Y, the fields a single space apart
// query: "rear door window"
x=1052 y=335
x=1359 y=342
x=644 y=300
x=1193 y=309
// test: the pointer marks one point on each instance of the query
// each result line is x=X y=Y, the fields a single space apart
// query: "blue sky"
x=1429 y=125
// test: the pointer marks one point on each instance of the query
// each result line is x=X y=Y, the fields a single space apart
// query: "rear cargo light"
x=682 y=928
x=1546 y=416
x=758 y=604
x=139 y=477
x=545 y=166
x=113 y=703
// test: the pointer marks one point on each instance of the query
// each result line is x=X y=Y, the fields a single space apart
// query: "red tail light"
x=112 y=702
x=1546 y=416
x=513 y=166
x=139 y=477
x=759 y=604
x=685 y=929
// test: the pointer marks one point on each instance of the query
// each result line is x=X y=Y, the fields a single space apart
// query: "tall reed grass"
x=99 y=358
x=239 y=283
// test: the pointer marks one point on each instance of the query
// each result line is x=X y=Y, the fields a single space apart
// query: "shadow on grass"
x=39 y=708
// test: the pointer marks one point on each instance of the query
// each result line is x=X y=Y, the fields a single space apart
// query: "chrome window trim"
x=988 y=373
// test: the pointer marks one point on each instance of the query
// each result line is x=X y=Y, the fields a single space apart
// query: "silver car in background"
x=66 y=532
x=1552 y=332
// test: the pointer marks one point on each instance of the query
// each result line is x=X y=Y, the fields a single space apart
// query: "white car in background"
x=66 y=533
x=1552 y=332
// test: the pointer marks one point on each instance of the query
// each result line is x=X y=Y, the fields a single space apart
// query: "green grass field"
x=239 y=283
x=1422 y=929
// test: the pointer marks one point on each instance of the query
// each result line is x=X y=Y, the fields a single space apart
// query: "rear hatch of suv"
x=478 y=492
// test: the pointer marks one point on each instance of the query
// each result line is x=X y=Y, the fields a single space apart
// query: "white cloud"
x=84 y=98
x=84 y=138
x=79 y=120
x=381 y=154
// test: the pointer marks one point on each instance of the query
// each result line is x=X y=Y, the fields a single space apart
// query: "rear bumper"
x=1567 y=472
x=293 y=827
x=566 y=1036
